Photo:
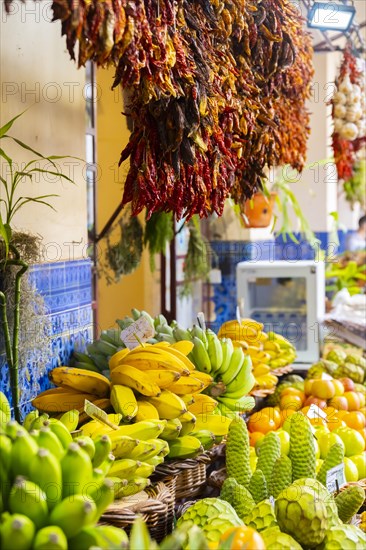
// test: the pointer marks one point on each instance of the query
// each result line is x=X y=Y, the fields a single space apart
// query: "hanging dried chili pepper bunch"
x=348 y=111
x=270 y=44
x=217 y=92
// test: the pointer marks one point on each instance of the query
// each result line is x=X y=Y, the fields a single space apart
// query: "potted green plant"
x=14 y=245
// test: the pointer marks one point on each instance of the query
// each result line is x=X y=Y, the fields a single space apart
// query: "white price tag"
x=335 y=478
x=201 y=320
x=140 y=331
x=326 y=376
x=315 y=412
x=238 y=316
x=271 y=500
x=98 y=414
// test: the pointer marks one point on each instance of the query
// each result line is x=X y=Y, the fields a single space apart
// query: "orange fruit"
x=308 y=385
x=339 y=402
x=335 y=423
x=324 y=389
x=338 y=386
x=318 y=421
x=286 y=413
x=293 y=391
x=291 y=402
x=273 y=413
x=341 y=414
x=259 y=422
x=355 y=420
x=363 y=410
x=254 y=437
x=353 y=400
x=330 y=411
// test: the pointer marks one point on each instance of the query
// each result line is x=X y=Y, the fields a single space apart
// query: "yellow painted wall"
x=36 y=73
x=139 y=289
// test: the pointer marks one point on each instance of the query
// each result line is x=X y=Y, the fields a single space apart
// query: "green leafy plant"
x=355 y=188
x=347 y=273
x=13 y=201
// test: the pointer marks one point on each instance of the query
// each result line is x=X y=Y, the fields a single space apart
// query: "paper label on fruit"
x=335 y=478
x=137 y=333
x=98 y=414
x=315 y=412
x=326 y=376
x=238 y=316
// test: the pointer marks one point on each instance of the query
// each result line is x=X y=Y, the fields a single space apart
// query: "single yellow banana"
x=134 y=378
x=123 y=446
x=217 y=424
x=188 y=399
x=146 y=429
x=90 y=428
x=155 y=360
x=205 y=378
x=146 y=411
x=181 y=356
x=183 y=346
x=188 y=421
x=168 y=404
x=261 y=369
x=163 y=378
x=81 y=380
x=123 y=401
x=204 y=404
x=60 y=403
x=117 y=357
x=186 y=384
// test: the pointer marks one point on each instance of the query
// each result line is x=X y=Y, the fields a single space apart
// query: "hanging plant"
x=159 y=232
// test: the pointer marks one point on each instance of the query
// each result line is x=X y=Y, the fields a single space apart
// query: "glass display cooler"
x=288 y=298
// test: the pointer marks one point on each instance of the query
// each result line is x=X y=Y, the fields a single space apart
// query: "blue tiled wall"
x=66 y=289
x=230 y=253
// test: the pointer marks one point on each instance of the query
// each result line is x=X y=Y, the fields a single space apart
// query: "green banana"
x=59 y=429
x=144 y=470
x=242 y=404
x=206 y=438
x=83 y=358
x=198 y=332
x=125 y=322
x=172 y=429
x=73 y=513
x=124 y=468
x=50 y=538
x=155 y=460
x=144 y=450
x=23 y=450
x=104 y=537
x=139 y=536
x=106 y=464
x=28 y=420
x=185 y=447
x=227 y=351
x=162 y=338
x=236 y=362
x=12 y=428
x=181 y=333
x=134 y=485
x=118 y=485
x=86 y=444
x=199 y=356
x=214 y=349
x=164 y=329
x=102 y=446
x=95 y=482
x=5 y=451
x=87 y=366
x=48 y=440
x=76 y=469
x=38 y=421
x=123 y=446
x=5 y=484
x=17 y=531
x=28 y=499
x=243 y=382
x=160 y=320
x=45 y=471
x=70 y=419
x=112 y=337
x=103 y=496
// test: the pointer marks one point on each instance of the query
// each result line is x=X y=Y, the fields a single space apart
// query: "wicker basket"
x=155 y=505
x=187 y=477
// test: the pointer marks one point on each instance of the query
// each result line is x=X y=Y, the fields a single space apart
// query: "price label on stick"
x=98 y=414
x=335 y=478
x=238 y=316
x=316 y=412
x=201 y=320
x=137 y=333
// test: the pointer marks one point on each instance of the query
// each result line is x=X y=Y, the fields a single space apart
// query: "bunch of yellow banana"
x=268 y=351
x=74 y=385
x=53 y=490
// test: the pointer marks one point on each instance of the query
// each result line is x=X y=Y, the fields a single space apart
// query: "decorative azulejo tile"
x=66 y=289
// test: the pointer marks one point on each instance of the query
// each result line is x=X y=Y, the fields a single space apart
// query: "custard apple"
x=262 y=516
x=274 y=539
x=343 y=537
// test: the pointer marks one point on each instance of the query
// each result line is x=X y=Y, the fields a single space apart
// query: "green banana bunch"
x=243 y=382
x=181 y=333
x=235 y=365
x=102 y=448
x=198 y=332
